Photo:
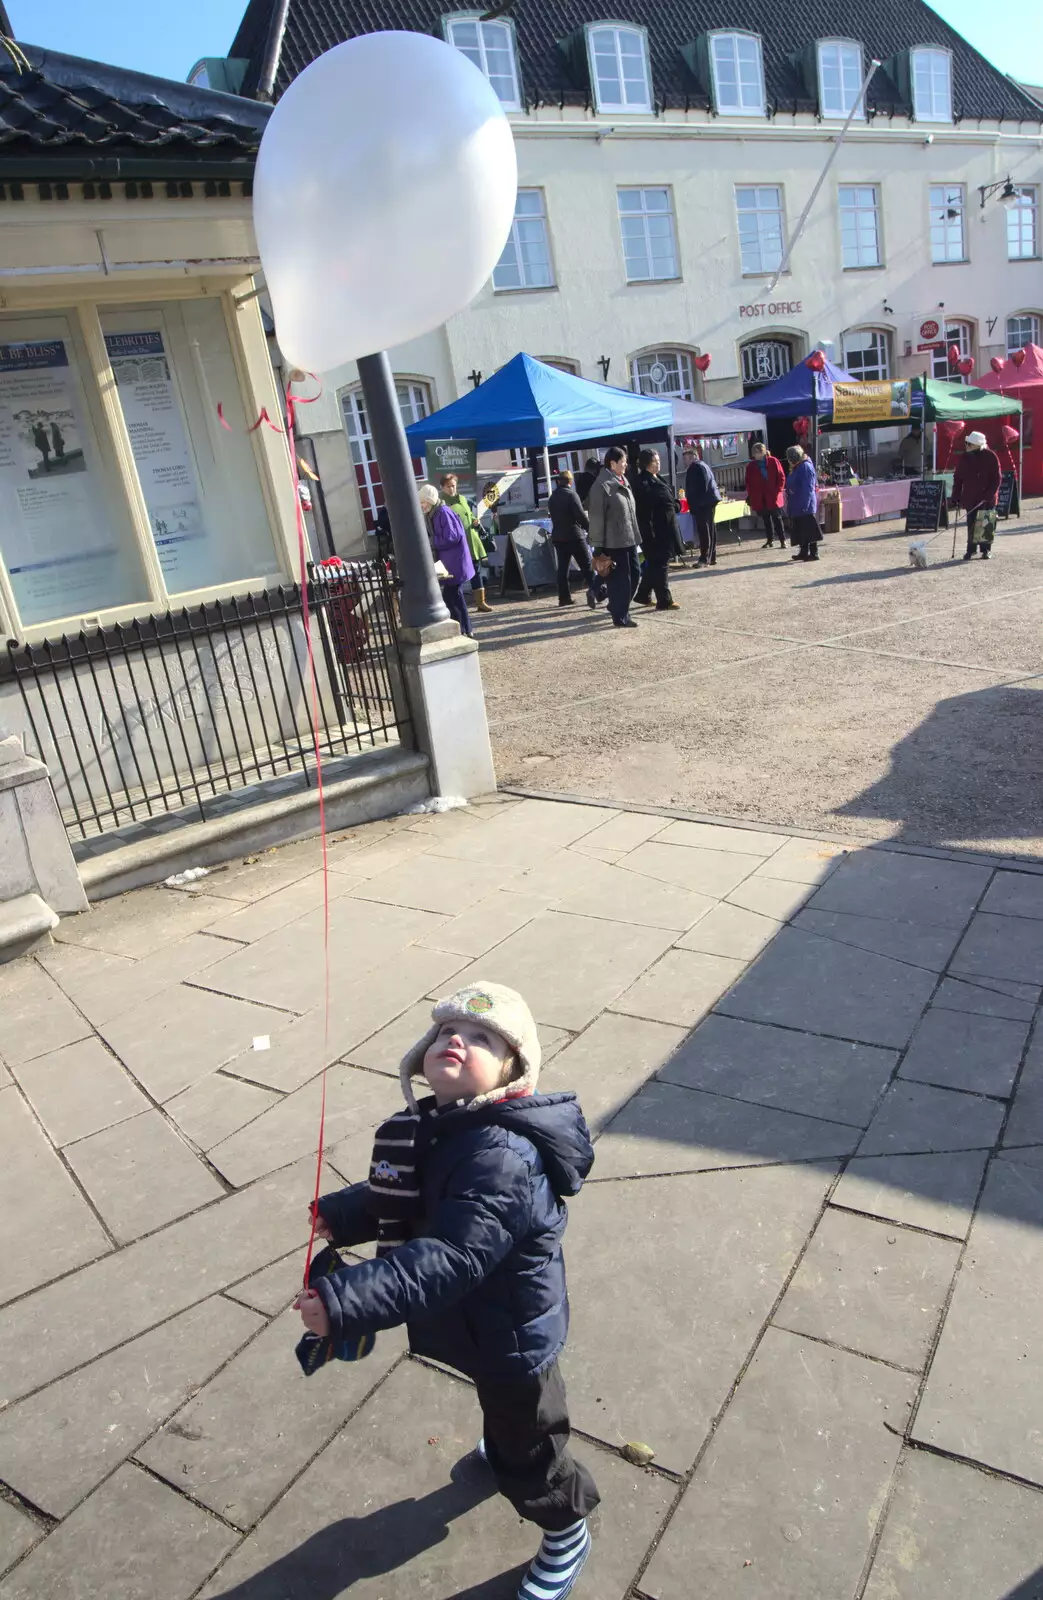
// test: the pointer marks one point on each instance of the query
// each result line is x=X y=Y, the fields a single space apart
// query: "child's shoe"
x=559 y=1562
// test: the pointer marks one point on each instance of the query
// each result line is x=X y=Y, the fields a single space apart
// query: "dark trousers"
x=565 y=552
x=622 y=581
x=806 y=532
x=456 y=605
x=774 y=527
x=527 y=1446
x=704 y=522
x=654 y=581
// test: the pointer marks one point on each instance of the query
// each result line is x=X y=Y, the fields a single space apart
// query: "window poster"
x=57 y=536
x=141 y=366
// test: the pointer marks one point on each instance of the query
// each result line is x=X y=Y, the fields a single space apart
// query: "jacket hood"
x=554 y=1124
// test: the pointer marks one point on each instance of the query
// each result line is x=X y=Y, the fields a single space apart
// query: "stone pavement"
x=806 y=1272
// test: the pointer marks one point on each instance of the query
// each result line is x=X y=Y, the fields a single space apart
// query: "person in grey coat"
x=613 y=529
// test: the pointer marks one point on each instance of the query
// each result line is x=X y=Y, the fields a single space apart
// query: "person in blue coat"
x=802 y=504
x=465 y=1199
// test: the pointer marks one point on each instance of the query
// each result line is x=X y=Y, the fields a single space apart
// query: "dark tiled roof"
x=886 y=28
x=62 y=114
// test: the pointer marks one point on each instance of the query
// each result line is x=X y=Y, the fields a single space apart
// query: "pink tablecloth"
x=864 y=500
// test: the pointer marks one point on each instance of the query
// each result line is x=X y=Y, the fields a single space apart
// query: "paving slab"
x=983 y=1398
x=681 y=987
x=937 y=1192
x=705 y=872
x=377 y=855
x=569 y=968
x=955 y=1534
x=900 y=887
x=17 y=1534
x=46 y=1226
x=807 y=861
x=430 y=883
x=802 y=981
x=359 y=1007
x=378 y=1515
x=35 y=1016
x=134 y=1539
x=256 y=876
x=988 y=997
x=524 y=835
x=667 y=1129
x=181 y=1036
x=217 y=1107
x=485 y=924
x=609 y=1062
x=141 y=922
x=713 y=836
x=140 y=1175
x=730 y=931
x=1015 y=894
x=626 y=831
x=80 y=1090
x=811 y=1422
x=64 y=1325
x=870 y=1287
x=916 y=1117
x=958 y=1050
x=102 y=986
x=61 y=1443
x=780 y=1067
x=779 y=898
x=698 y=1291
x=559 y=874
x=245 y=1437
x=285 y=967
x=356 y=1102
x=270 y=912
x=914 y=942
x=629 y=897
x=1025 y=1123
x=273 y=1288
x=1002 y=947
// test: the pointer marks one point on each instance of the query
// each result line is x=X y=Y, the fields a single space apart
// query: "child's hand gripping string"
x=313 y=1313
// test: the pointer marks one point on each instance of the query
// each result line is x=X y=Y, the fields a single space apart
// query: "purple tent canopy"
x=801 y=393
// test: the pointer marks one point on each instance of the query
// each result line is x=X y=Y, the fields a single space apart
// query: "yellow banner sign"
x=856 y=403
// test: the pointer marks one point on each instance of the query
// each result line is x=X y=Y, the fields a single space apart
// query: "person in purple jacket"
x=802 y=504
x=449 y=543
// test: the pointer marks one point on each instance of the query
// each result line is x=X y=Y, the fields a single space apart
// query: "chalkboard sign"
x=529 y=559
x=926 y=510
x=1009 y=504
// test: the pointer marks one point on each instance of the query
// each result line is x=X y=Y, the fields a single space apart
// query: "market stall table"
x=862 y=501
x=727 y=511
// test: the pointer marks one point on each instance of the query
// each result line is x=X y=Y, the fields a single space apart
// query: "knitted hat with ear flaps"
x=505 y=1012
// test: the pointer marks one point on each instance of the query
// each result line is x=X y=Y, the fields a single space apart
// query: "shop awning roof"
x=698 y=420
x=527 y=405
x=959 y=402
x=794 y=395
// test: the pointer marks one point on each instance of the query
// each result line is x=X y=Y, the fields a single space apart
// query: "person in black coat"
x=588 y=478
x=702 y=494
x=569 y=524
x=657 y=520
x=466 y=1201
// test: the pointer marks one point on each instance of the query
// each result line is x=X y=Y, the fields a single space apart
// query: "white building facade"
x=662 y=192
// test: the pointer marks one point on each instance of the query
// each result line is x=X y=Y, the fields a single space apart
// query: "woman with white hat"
x=976 y=487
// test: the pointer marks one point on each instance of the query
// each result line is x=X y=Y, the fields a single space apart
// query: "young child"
x=465 y=1201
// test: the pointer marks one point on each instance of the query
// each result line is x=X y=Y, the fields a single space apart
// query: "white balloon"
x=383 y=196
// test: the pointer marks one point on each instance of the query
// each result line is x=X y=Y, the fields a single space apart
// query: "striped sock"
x=558 y=1563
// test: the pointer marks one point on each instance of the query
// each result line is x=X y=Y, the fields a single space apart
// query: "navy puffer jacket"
x=481 y=1284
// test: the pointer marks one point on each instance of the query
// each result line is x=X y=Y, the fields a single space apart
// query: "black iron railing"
x=142 y=718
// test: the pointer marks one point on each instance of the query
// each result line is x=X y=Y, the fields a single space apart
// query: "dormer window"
x=490 y=45
x=738 y=74
x=619 y=68
x=839 y=77
x=932 y=85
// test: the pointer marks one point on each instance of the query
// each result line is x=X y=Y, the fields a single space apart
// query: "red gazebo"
x=1022 y=380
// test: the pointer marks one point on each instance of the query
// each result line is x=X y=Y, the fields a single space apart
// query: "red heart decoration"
x=1009 y=433
x=954 y=354
x=800 y=426
x=816 y=361
x=966 y=366
x=1018 y=358
x=703 y=361
x=996 y=364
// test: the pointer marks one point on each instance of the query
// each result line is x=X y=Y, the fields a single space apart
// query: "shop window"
x=414 y=402
x=960 y=334
x=839 y=77
x=866 y=354
x=646 y=221
x=563 y=364
x=490 y=45
x=760 y=228
x=1022 y=330
x=664 y=372
x=525 y=262
x=1023 y=225
x=932 y=85
x=860 y=225
x=619 y=69
x=738 y=74
x=948 y=237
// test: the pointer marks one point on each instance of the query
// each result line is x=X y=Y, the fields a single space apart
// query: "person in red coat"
x=765 y=490
x=976 y=487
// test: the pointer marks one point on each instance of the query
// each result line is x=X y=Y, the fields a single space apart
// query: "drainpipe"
x=273 y=51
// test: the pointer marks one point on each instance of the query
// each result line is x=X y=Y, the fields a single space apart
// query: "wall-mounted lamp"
x=1009 y=194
